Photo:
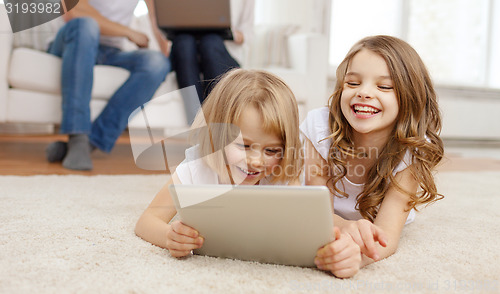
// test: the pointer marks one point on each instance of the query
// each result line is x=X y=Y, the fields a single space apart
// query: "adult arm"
x=106 y=26
x=160 y=38
x=243 y=26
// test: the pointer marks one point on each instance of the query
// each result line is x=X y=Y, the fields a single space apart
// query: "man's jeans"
x=207 y=56
x=77 y=43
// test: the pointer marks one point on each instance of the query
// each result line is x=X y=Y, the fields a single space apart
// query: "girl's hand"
x=181 y=239
x=365 y=234
x=341 y=257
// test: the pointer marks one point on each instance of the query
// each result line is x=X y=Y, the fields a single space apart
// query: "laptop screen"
x=193 y=14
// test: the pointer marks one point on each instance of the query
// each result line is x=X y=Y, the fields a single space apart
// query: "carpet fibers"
x=74 y=234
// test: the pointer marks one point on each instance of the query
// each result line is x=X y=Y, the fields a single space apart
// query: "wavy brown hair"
x=416 y=131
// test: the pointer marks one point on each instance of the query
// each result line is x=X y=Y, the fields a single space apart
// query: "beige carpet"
x=74 y=234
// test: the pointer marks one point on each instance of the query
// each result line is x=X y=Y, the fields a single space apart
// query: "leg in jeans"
x=185 y=62
x=148 y=70
x=215 y=59
x=77 y=44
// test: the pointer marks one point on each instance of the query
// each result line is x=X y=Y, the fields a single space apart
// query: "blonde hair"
x=417 y=128
x=274 y=100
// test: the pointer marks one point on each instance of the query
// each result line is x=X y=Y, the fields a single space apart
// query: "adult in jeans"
x=93 y=34
x=199 y=61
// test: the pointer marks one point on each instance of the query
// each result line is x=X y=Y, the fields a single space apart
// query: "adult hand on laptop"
x=160 y=38
x=238 y=37
x=341 y=257
x=181 y=239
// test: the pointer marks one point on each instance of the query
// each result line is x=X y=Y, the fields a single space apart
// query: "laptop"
x=196 y=17
x=269 y=224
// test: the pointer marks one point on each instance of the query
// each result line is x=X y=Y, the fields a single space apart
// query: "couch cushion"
x=41 y=72
x=36 y=107
x=165 y=110
x=33 y=107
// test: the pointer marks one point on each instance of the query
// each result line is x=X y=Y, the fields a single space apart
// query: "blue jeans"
x=77 y=43
x=200 y=61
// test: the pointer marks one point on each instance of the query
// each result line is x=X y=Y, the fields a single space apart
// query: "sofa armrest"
x=5 y=51
x=309 y=54
x=308 y=59
x=307 y=51
x=300 y=59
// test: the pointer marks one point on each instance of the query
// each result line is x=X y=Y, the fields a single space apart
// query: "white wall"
x=281 y=12
x=470 y=114
x=308 y=14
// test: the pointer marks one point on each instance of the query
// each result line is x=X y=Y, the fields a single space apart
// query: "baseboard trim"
x=26 y=129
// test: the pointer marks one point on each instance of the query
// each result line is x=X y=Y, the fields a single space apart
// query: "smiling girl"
x=376 y=145
x=247 y=133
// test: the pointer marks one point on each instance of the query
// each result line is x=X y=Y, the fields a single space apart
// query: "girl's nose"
x=255 y=159
x=365 y=92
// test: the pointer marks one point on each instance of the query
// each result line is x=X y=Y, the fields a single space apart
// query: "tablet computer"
x=271 y=224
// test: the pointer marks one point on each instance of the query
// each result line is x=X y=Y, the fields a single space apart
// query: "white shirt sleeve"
x=194 y=170
x=315 y=129
x=242 y=19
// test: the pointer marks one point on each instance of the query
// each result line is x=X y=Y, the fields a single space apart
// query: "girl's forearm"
x=382 y=251
x=339 y=221
x=152 y=229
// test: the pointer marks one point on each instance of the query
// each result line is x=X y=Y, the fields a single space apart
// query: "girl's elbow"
x=137 y=230
x=139 y=227
x=390 y=249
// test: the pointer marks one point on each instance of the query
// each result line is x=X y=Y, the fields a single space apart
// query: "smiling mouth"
x=250 y=173
x=365 y=110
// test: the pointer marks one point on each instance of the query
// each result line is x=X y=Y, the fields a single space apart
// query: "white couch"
x=30 y=87
x=30 y=82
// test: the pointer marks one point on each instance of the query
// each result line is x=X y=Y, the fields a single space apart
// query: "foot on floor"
x=78 y=155
x=56 y=151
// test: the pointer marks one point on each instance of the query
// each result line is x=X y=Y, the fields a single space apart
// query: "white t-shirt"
x=194 y=170
x=119 y=11
x=315 y=128
x=242 y=19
